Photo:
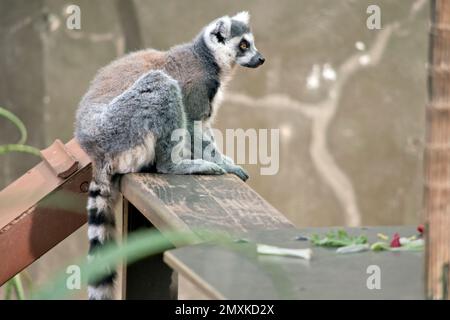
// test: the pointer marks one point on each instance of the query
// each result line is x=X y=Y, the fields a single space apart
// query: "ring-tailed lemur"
x=125 y=120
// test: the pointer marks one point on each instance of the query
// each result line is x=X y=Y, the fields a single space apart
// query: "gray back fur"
x=103 y=127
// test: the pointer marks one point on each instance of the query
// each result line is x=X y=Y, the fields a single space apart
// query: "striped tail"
x=101 y=231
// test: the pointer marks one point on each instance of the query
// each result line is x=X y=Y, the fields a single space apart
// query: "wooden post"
x=437 y=155
x=149 y=278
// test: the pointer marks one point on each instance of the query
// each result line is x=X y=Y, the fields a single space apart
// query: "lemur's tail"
x=101 y=230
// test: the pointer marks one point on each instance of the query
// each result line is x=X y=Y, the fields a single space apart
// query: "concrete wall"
x=351 y=146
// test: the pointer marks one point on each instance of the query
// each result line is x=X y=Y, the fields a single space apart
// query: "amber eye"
x=244 y=45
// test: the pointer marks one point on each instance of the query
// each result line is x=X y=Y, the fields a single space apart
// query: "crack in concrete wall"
x=322 y=113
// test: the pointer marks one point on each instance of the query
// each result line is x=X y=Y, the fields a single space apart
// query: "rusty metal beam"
x=43 y=207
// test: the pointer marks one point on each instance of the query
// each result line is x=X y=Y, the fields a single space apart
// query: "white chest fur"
x=136 y=158
x=215 y=104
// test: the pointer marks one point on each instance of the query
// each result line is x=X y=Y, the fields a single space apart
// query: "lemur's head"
x=231 y=41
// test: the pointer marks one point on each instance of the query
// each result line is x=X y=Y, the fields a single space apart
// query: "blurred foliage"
x=15 y=284
x=20 y=146
x=144 y=243
x=138 y=245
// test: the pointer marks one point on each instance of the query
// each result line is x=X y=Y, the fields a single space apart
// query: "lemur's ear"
x=243 y=17
x=221 y=30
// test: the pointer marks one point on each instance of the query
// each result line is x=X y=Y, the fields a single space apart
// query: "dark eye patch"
x=244 y=45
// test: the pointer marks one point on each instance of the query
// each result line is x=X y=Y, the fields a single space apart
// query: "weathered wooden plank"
x=188 y=203
x=240 y=273
x=178 y=202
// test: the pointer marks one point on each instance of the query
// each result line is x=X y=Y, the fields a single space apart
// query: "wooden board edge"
x=182 y=269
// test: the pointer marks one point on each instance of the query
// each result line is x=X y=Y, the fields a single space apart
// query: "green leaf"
x=339 y=238
x=14 y=284
x=17 y=122
x=19 y=148
x=138 y=245
x=380 y=246
x=17 y=280
x=415 y=245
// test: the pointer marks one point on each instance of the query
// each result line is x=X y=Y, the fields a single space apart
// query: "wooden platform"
x=180 y=203
x=240 y=273
x=188 y=204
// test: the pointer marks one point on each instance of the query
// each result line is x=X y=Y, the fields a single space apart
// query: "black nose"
x=261 y=60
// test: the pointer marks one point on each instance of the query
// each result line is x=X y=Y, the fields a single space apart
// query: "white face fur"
x=231 y=42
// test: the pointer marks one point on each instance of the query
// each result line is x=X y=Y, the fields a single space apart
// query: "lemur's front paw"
x=227 y=160
x=239 y=171
x=212 y=169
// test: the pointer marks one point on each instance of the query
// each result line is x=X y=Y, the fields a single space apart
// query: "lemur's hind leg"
x=188 y=166
x=150 y=111
x=164 y=116
x=169 y=160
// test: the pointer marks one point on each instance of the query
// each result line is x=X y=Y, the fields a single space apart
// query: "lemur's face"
x=231 y=41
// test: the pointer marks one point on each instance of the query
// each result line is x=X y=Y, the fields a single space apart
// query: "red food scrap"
x=421 y=228
x=395 y=243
